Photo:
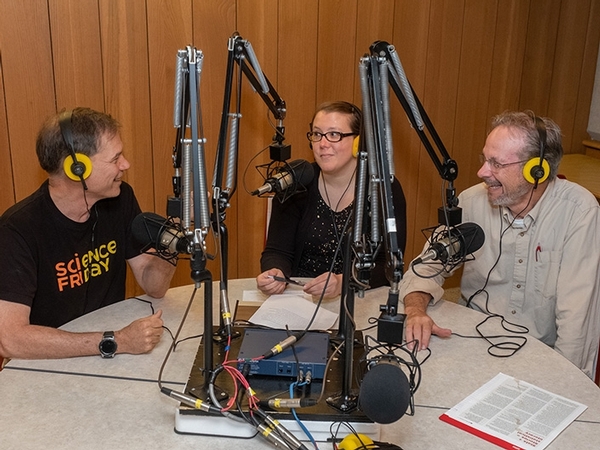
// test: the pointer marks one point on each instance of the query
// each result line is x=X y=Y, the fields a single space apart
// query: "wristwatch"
x=108 y=345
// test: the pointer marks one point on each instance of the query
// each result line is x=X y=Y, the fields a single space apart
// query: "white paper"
x=514 y=414
x=293 y=311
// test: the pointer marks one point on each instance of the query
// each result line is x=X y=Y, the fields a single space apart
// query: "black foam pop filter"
x=384 y=393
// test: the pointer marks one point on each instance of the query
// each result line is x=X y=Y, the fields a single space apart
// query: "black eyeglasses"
x=331 y=136
x=495 y=165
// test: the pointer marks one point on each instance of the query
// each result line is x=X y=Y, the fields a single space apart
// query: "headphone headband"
x=537 y=170
x=75 y=169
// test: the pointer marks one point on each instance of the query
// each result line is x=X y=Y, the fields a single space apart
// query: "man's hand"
x=141 y=335
x=418 y=325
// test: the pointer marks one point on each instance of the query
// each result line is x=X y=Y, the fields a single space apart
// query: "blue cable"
x=293 y=410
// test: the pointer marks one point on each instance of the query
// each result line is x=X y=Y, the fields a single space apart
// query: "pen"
x=538 y=249
x=287 y=280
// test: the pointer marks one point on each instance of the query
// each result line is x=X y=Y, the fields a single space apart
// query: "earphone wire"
x=510 y=346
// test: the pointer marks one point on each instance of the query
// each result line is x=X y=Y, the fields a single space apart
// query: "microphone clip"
x=162 y=237
x=282 y=179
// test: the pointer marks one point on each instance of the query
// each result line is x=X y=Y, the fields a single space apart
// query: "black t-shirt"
x=60 y=268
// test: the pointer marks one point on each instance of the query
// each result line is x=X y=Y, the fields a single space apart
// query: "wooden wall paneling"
x=540 y=51
x=297 y=70
x=374 y=22
x=76 y=51
x=310 y=50
x=336 y=47
x=587 y=77
x=125 y=73
x=411 y=31
x=125 y=70
x=508 y=57
x=473 y=89
x=440 y=99
x=169 y=30
x=566 y=71
x=29 y=86
x=473 y=92
x=7 y=195
x=258 y=23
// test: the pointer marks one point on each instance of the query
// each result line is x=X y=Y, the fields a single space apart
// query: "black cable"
x=173 y=343
x=510 y=347
x=152 y=309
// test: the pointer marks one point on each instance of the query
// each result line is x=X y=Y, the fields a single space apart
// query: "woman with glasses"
x=306 y=231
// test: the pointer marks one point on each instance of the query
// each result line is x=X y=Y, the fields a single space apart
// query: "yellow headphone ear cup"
x=530 y=165
x=81 y=159
x=355 y=146
x=352 y=442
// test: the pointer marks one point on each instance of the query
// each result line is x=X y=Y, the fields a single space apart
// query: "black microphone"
x=384 y=393
x=454 y=244
x=159 y=233
x=296 y=174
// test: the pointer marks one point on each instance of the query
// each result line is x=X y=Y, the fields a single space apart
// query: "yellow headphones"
x=537 y=170
x=77 y=166
x=355 y=146
x=356 y=441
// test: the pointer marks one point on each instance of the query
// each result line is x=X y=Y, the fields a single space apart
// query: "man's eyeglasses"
x=331 y=136
x=495 y=165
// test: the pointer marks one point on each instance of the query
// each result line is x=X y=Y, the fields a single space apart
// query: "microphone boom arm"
x=385 y=54
x=188 y=152
x=380 y=71
x=240 y=52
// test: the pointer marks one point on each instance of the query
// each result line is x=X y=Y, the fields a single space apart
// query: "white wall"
x=594 y=124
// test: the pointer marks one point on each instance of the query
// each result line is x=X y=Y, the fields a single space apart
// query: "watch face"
x=108 y=346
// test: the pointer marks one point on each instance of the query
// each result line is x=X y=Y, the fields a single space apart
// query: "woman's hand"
x=268 y=285
x=334 y=285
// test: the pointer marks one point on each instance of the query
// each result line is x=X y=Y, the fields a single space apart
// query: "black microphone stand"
x=346 y=401
x=200 y=275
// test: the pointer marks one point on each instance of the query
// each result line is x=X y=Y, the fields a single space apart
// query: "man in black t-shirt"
x=66 y=246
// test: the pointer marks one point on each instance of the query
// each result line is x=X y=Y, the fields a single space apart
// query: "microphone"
x=385 y=393
x=272 y=426
x=296 y=174
x=303 y=402
x=162 y=234
x=282 y=345
x=190 y=401
x=454 y=244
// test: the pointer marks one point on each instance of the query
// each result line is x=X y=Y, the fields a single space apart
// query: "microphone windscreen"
x=472 y=237
x=146 y=228
x=303 y=171
x=384 y=393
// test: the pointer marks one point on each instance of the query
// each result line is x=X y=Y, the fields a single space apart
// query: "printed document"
x=514 y=414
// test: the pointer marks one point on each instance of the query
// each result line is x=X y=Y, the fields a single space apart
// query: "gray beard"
x=512 y=198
